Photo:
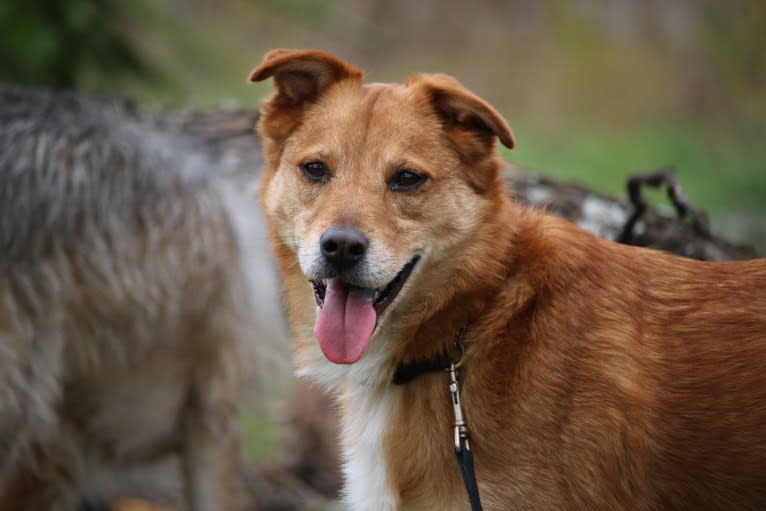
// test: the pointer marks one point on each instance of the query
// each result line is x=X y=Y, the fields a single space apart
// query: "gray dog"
x=126 y=302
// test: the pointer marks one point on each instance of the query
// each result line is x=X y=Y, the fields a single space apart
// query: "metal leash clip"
x=461 y=430
x=462 y=447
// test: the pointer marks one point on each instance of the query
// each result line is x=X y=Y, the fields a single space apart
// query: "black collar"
x=405 y=373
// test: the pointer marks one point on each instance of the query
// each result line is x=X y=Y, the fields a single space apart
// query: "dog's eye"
x=317 y=171
x=406 y=180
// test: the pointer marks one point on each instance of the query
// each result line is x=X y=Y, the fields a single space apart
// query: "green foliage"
x=259 y=440
x=50 y=42
x=711 y=170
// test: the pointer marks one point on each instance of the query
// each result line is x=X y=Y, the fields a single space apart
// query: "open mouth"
x=348 y=315
x=382 y=298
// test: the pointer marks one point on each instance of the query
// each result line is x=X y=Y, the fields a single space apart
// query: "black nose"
x=343 y=246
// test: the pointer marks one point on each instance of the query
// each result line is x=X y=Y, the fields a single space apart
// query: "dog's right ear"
x=301 y=76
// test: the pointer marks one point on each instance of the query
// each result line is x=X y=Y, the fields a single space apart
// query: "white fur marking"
x=367 y=485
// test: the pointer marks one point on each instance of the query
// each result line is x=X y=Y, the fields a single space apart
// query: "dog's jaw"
x=383 y=298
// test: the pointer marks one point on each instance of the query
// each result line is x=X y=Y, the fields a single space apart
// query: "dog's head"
x=374 y=190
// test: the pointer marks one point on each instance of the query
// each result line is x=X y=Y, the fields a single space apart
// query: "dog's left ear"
x=469 y=121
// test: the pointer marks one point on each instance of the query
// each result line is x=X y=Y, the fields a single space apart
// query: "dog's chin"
x=383 y=298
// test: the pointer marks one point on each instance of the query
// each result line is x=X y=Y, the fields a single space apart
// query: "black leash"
x=407 y=373
x=465 y=461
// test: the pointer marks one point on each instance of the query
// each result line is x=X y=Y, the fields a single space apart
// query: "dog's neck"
x=430 y=341
x=448 y=336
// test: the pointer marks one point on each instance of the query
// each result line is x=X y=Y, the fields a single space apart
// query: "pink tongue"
x=345 y=323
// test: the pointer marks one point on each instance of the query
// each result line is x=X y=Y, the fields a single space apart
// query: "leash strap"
x=463 y=452
x=465 y=461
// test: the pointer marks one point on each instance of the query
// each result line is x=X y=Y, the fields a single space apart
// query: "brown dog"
x=594 y=375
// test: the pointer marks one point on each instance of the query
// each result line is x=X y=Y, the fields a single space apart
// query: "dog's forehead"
x=393 y=107
x=366 y=97
x=375 y=117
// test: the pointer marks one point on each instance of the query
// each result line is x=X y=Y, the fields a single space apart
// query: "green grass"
x=259 y=439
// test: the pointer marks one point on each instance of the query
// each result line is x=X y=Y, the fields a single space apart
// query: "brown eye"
x=316 y=171
x=406 y=180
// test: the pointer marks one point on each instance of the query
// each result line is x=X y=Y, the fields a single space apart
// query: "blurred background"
x=594 y=90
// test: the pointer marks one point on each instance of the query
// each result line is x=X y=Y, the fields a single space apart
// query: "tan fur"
x=596 y=375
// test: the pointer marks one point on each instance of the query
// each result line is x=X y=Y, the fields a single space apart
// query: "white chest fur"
x=369 y=403
x=368 y=486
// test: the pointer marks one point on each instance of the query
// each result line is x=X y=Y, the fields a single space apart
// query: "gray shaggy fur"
x=129 y=262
